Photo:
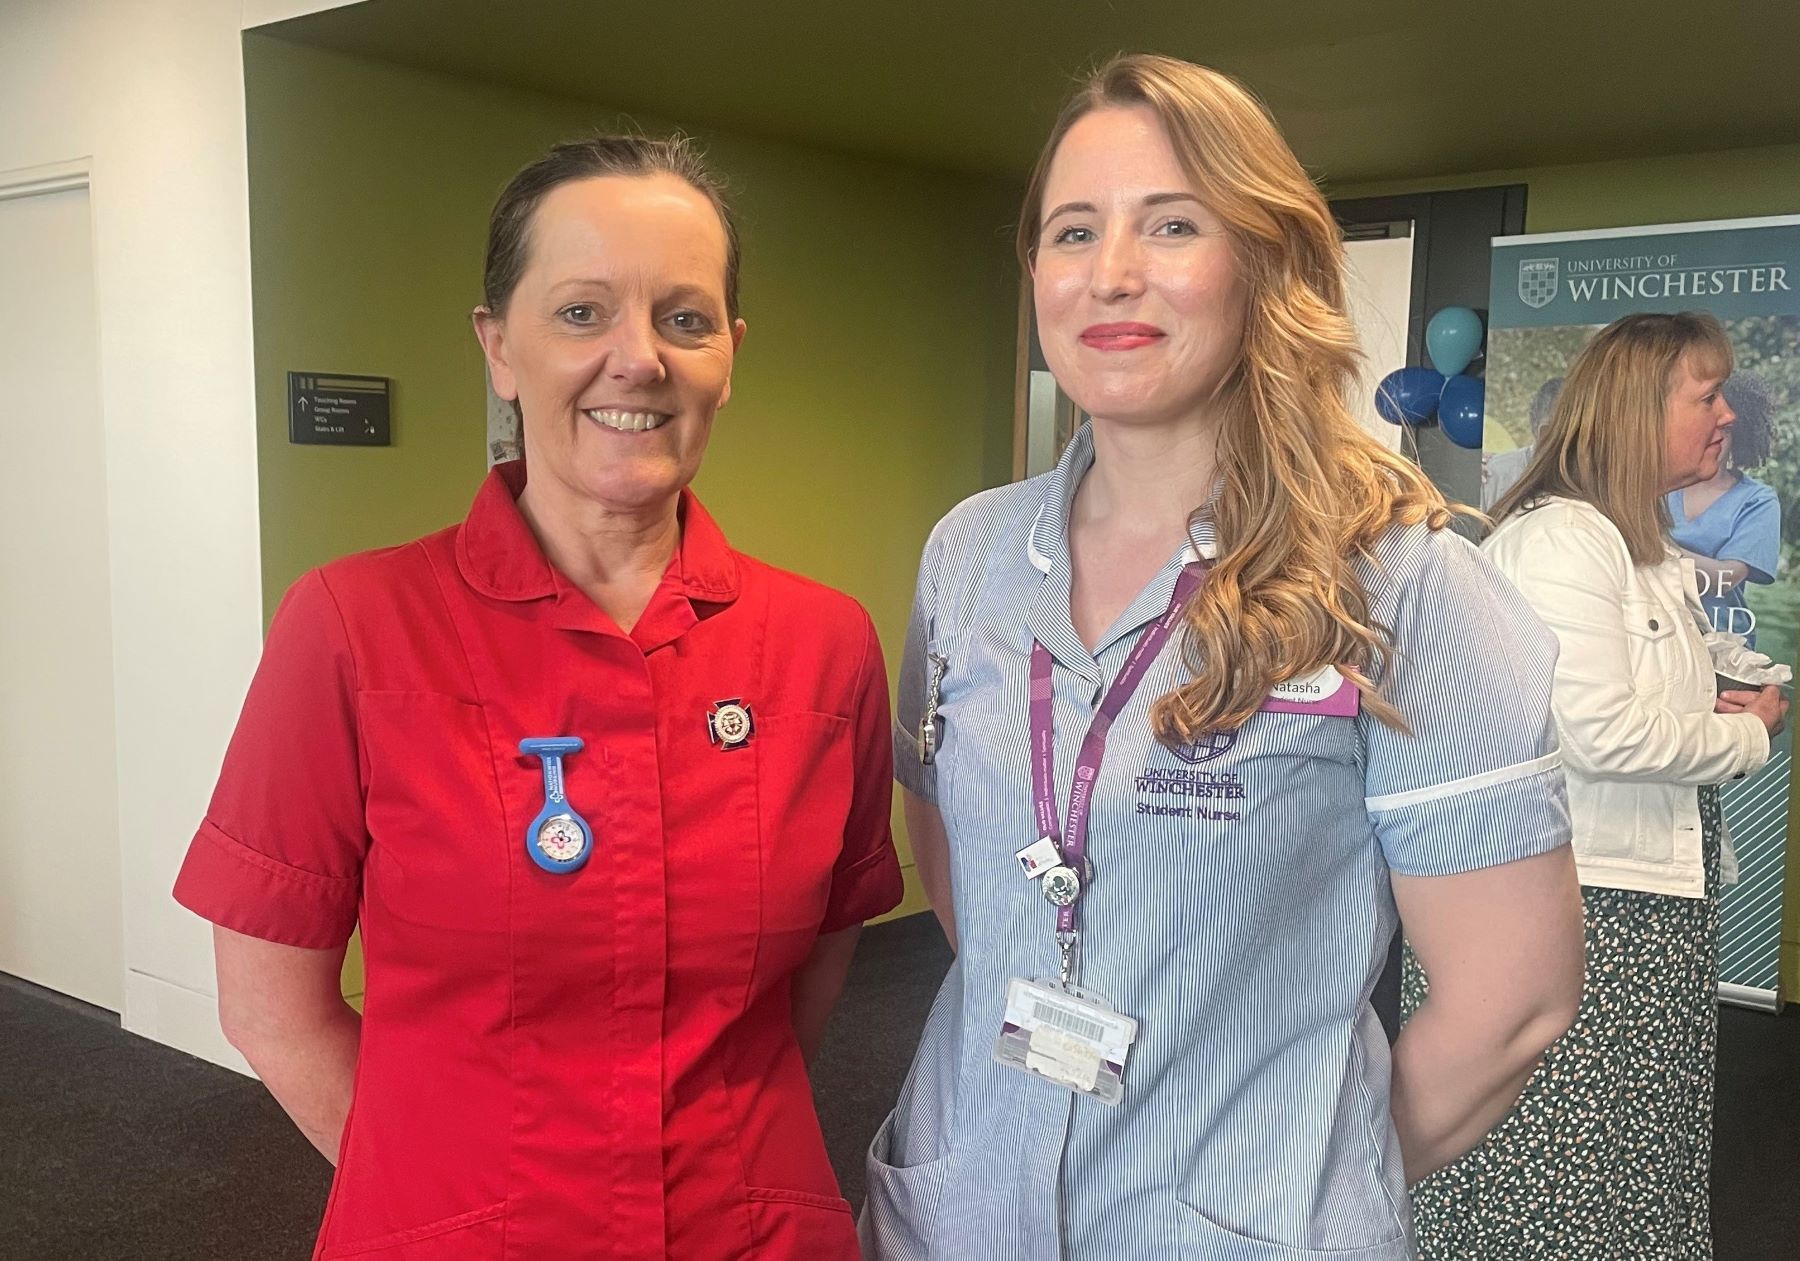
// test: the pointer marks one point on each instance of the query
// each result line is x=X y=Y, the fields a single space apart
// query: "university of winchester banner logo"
x=1537 y=282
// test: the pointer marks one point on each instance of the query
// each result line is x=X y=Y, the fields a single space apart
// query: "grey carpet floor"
x=112 y=1147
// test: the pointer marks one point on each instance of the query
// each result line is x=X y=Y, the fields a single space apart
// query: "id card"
x=1066 y=1036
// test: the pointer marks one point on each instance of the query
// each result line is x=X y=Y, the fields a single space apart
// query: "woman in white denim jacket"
x=1609 y=1151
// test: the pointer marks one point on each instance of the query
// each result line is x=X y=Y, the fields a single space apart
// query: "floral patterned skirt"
x=1609 y=1152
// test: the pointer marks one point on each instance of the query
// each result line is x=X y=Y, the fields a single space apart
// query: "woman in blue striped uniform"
x=1186 y=726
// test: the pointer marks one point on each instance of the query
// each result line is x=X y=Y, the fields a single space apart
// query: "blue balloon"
x=1409 y=396
x=1453 y=338
x=1461 y=409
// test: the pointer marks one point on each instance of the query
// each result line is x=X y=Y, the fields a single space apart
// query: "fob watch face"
x=560 y=838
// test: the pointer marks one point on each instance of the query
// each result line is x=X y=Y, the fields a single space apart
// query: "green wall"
x=874 y=389
x=1733 y=184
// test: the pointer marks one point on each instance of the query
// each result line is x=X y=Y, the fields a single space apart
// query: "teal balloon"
x=1408 y=396
x=1461 y=408
x=1453 y=339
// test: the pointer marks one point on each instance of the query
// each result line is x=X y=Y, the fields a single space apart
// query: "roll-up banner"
x=1550 y=293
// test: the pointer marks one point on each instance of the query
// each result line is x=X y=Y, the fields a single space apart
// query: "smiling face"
x=1697 y=425
x=616 y=343
x=1140 y=304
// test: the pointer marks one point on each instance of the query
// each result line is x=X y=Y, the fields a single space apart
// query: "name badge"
x=1065 y=1036
x=1327 y=693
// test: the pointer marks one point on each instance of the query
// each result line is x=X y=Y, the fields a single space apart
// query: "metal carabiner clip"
x=1066 y=946
x=934 y=694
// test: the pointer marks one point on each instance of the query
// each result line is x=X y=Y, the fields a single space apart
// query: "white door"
x=1380 y=294
x=60 y=917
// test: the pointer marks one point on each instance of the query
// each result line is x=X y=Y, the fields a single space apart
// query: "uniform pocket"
x=472 y=1236
x=1303 y=737
x=437 y=832
x=1611 y=814
x=804 y=771
x=1197 y=1235
x=801 y=1224
x=900 y=1210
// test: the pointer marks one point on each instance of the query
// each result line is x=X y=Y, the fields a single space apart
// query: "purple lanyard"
x=1073 y=843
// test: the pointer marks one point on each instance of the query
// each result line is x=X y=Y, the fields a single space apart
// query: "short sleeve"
x=1756 y=535
x=915 y=774
x=866 y=881
x=1479 y=780
x=280 y=852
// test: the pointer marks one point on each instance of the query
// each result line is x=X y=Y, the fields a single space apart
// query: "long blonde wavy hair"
x=1305 y=490
x=1604 y=443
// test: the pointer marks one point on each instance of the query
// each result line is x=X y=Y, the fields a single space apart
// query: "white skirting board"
x=179 y=1017
x=1748 y=996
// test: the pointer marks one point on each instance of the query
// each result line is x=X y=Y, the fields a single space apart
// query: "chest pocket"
x=437 y=854
x=751 y=837
x=1217 y=785
x=976 y=750
x=1272 y=735
x=805 y=774
x=1653 y=647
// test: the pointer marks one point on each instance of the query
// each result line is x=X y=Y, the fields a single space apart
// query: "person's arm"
x=1719 y=575
x=1767 y=705
x=866 y=880
x=276 y=865
x=818 y=983
x=282 y=1008
x=1502 y=948
x=1752 y=550
x=931 y=856
x=1574 y=578
x=1471 y=813
x=922 y=673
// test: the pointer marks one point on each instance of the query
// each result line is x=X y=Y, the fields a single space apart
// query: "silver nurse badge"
x=729 y=724
x=1062 y=886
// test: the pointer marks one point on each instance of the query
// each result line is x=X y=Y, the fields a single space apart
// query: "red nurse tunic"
x=596 y=1064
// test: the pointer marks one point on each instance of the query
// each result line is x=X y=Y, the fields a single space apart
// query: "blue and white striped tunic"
x=1241 y=907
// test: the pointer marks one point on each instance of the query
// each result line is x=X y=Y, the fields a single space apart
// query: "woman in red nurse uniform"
x=608 y=799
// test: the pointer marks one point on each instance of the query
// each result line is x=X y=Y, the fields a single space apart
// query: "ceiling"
x=1372 y=90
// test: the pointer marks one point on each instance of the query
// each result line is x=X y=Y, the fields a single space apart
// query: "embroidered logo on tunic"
x=1206 y=748
x=1181 y=792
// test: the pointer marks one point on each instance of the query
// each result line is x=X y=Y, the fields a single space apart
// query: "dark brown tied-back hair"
x=509 y=226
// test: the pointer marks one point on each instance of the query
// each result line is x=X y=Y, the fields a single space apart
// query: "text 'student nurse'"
x=608 y=798
x=1186 y=724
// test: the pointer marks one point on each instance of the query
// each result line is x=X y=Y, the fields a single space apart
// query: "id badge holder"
x=1066 y=1036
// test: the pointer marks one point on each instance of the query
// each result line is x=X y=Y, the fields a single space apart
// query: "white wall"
x=149 y=96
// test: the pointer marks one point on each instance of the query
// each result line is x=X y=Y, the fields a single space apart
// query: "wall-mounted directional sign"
x=337 y=410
